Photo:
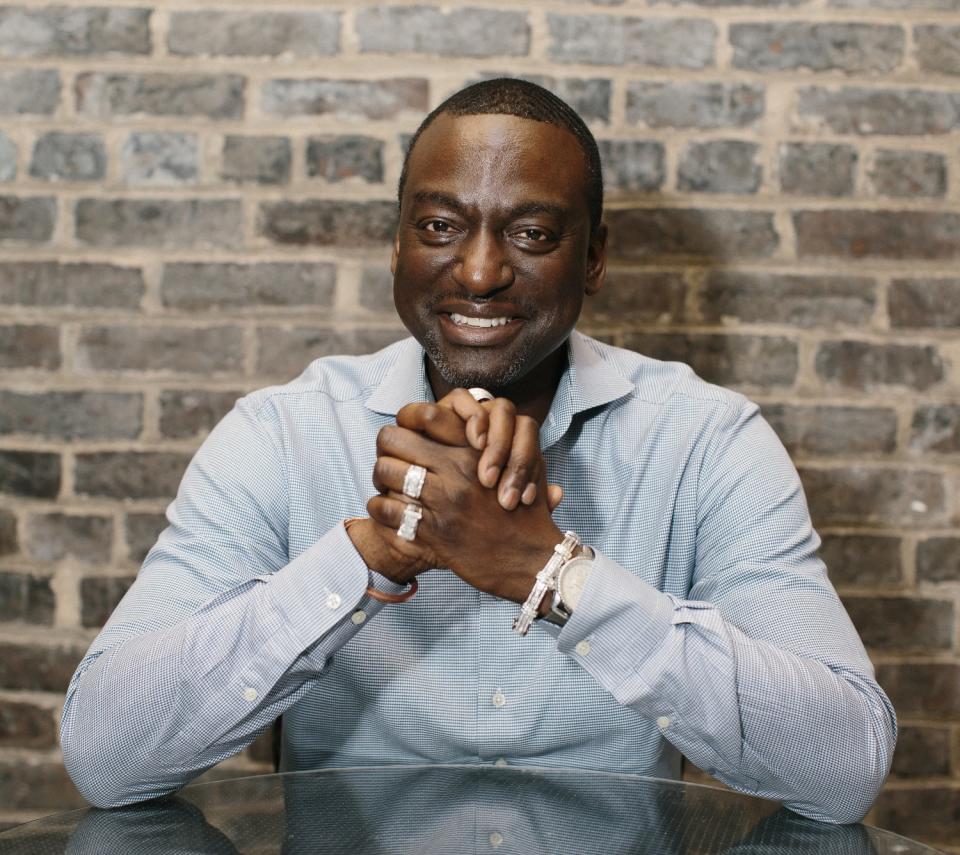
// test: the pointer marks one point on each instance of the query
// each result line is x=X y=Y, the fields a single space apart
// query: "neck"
x=532 y=394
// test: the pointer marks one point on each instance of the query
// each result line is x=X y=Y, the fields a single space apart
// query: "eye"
x=437 y=227
x=533 y=234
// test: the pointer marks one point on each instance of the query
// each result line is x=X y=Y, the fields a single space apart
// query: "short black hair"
x=511 y=96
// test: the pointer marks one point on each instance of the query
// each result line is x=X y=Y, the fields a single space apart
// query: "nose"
x=483 y=267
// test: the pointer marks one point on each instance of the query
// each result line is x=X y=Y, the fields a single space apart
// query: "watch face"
x=572 y=580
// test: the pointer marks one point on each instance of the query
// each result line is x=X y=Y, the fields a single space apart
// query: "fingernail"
x=490 y=476
x=481 y=441
x=509 y=498
x=529 y=494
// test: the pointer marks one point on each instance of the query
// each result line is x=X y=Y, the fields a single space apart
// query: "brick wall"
x=195 y=202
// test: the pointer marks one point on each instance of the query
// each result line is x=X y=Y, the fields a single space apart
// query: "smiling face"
x=494 y=254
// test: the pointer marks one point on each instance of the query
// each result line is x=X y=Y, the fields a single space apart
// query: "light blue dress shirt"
x=707 y=626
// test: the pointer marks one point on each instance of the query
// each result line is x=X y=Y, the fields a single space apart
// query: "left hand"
x=464 y=527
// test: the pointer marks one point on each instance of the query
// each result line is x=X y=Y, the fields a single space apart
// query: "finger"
x=522 y=472
x=407 y=445
x=554 y=496
x=438 y=422
x=472 y=412
x=388 y=511
x=503 y=415
x=389 y=475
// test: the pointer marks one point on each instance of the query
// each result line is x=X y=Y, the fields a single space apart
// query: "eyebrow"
x=523 y=210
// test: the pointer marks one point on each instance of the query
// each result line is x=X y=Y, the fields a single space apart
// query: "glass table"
x=449 y=809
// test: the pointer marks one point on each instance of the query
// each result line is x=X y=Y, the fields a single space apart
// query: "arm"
x=219 y=634
x=758 y=676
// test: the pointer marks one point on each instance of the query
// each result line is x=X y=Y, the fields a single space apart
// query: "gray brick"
x=260 y=160
x=160 y=222
x=286 y=351
x=921 y=752
x=187 y=350
x=632 y=166
x=812 y=302
x=61 y=31
x=38 y=667
x=202 y=286
x=646 y=233
x=909 y=173
x=936 y=427
x=38 y=784
x=52 y=537
x=363 y=99
x=80 y=285
x=29 y=92
x=376 y=289
x=938 y=559
x=847 y=234
x=862 y=559
x=933 y=5
x=850 y=496
x=639 y=296
x=937 y=48
x=187 y=413
x=29 y=346
x=72 y=415
x=26 y=598
x=694 y=105
x=817 y=169
x=130 y=474
x=719 y=166
x=142 y=531
x=864 y=366
x=275 y=33
x=32 y=474
x=902 y=624
x=721 y=3
x=160 y=158
x=852 y=48
x=589 y=96
x=608 y=40
x=27 y=219
x=9 y=542
x=335 y=158
x=215 y=96
x=99 y=596
x=27 y=725
x=822 y=430
x=891 y=112
x=69 y=157
x=461 y=32
x=328 y=222
x=8 y=158
x=924 y=303
x=765 y=361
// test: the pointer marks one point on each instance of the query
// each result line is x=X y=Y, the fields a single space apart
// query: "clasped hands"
x=485 y=500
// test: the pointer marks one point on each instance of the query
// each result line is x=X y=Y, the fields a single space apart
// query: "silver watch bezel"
x=560 y=611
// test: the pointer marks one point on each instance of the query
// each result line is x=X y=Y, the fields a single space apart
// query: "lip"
x=479 y=336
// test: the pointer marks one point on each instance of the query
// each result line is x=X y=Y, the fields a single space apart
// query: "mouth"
x=475 y=331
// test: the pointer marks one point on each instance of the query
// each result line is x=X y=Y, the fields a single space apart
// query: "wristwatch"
x=573 y=576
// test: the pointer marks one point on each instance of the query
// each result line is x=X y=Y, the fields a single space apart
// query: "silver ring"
x=480 y=395
x=412 y=514
x=413 y=481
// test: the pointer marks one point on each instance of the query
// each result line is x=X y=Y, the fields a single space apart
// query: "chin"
x=466 y=373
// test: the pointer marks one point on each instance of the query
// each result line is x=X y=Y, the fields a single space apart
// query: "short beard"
x=466 y=379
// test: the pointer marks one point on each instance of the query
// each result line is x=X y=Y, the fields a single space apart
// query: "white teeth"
x=463 y=320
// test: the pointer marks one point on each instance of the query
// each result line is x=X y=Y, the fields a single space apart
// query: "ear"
x=597 y=260
x=395 y=254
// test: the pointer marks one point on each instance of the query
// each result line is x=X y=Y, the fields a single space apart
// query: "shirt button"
x=250 y=694
x=496 y=839
x=499 y=699
x=501 y=761
x=582 y=648
x=333 y=601
x=663 y=722
x=358 y=617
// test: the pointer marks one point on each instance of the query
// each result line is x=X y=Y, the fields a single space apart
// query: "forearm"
x=146 y=715
x=813 y=733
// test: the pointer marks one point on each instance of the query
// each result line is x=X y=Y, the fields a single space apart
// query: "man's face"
x=493 y=254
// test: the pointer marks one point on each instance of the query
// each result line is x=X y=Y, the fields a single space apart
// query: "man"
x=699 y=620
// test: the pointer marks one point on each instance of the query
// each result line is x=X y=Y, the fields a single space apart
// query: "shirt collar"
x=589 y=381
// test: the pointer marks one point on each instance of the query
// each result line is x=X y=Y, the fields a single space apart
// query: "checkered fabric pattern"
x=708 y=625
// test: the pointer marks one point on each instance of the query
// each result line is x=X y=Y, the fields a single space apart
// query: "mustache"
x=524 y=306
